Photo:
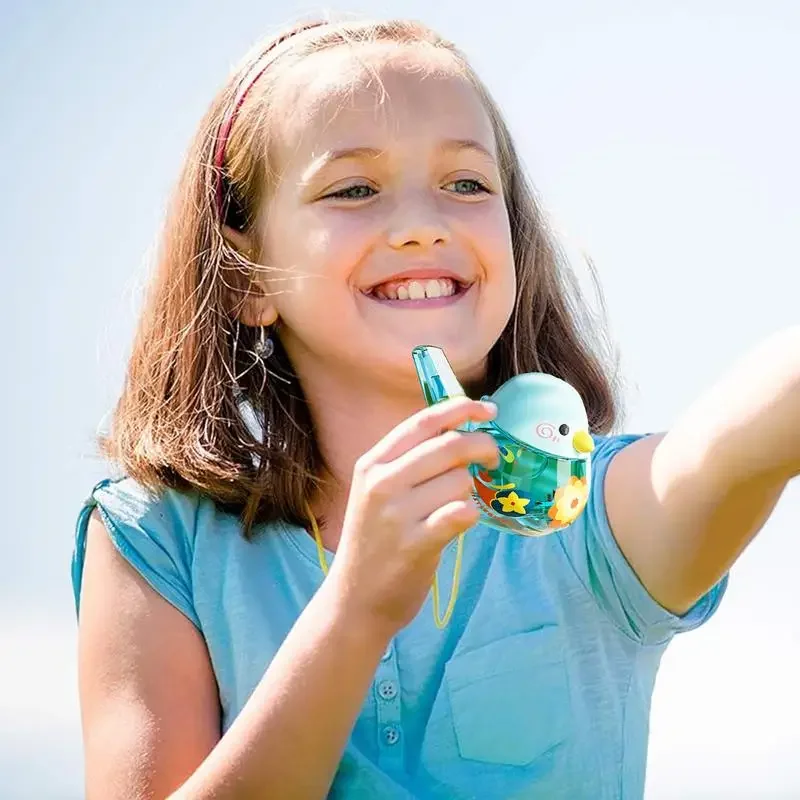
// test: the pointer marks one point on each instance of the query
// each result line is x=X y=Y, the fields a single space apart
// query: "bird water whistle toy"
x=542 y=482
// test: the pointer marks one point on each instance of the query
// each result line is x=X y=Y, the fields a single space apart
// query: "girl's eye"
x=468 y=186
x=359 y=191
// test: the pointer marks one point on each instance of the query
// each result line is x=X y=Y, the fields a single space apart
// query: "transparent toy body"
x=531 y=492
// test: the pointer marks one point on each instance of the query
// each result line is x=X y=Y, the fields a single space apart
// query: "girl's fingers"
x=425 y=499
x=449 y=520
x=426 y=424
x=443 y=453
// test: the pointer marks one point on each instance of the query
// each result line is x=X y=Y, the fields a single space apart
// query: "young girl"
x=255 y=609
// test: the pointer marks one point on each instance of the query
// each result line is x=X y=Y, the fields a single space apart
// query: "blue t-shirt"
x=539 y=687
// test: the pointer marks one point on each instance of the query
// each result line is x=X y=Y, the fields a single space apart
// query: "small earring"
x=264 y=346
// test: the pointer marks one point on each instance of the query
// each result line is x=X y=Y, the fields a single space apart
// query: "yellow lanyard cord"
x=441 y=623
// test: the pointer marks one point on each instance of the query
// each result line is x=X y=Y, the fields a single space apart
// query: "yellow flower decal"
x=512 y=503
x=568 y=502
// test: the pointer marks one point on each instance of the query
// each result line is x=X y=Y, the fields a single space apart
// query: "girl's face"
x=389 y=212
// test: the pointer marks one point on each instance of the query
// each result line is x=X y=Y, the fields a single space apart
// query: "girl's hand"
x=410 y=496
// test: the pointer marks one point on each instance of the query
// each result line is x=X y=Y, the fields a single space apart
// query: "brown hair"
x=178 y=421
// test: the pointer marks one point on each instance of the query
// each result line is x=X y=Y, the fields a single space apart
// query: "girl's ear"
x=238 y=241
x=255 y=308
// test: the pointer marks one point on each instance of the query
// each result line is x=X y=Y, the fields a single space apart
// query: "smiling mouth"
x=417 y=290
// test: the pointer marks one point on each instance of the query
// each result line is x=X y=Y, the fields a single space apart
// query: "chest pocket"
x=510 y=699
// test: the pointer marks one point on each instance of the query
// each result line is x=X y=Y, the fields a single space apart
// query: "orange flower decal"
x=568 y=502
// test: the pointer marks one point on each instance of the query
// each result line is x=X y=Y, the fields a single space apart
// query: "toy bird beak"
x=582 y=442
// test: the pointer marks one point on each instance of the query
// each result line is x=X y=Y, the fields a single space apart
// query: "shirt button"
x=391 y=735
x=387 y=653
x=387 y=690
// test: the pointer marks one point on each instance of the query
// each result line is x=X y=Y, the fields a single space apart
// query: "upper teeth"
x=415 y=289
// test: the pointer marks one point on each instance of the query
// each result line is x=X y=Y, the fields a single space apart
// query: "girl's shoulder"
x=605 y=573
x=164 y=513
x=608 y=444
x=155 y=531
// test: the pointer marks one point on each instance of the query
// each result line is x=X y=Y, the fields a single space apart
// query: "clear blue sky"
x=663 y=139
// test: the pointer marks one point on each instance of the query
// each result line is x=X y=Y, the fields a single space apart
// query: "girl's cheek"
x=348 y=235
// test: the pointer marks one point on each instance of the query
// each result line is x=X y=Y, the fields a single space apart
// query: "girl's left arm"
x=684 y=505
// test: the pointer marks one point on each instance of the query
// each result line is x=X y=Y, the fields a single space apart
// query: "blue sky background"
x=663 y=139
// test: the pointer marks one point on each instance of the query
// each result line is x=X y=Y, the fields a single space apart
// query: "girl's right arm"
x=148 y=696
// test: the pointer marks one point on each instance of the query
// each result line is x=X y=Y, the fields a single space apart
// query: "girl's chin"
x=392 y=355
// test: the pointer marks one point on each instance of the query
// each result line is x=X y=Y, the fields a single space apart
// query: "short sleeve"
x=605 y=572
x=154 y=533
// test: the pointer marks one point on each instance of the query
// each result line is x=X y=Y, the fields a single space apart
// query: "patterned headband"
x=245 y=85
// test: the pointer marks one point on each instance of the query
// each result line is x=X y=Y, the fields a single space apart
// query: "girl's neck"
x=349 y=418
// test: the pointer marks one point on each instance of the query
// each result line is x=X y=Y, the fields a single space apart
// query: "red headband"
x=245 y=85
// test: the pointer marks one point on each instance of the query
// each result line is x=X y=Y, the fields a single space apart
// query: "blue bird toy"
x=543 y=480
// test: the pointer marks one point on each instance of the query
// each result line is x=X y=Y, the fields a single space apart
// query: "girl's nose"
x=417 y=223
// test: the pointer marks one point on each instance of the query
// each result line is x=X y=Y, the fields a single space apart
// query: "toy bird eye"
x=563 y=429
